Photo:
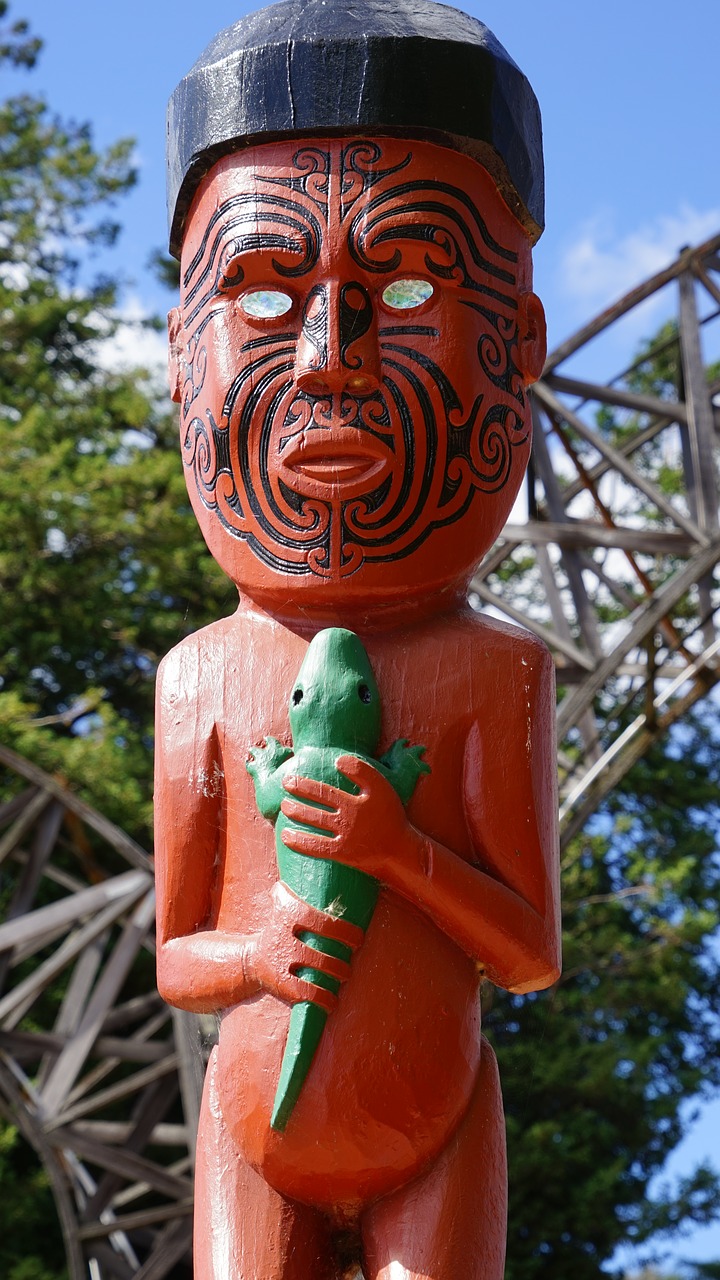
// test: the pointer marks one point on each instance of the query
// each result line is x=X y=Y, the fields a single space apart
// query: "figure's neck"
x=363 y=617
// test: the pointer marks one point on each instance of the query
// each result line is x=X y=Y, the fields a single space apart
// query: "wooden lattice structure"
x=612 y=567
x=102 y=1078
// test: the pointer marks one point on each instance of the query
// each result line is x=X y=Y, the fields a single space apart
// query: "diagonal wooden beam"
x=116 y=838
x=38 y=924
x=551 y=638
x=69 y=1064
x=141 y=1047
x=27 y=819
x=114 y=1093
x=641 y=623
x=151 y=1108
x=128 y=1163
x=129 y=1222
x=171 y=1247
x=630 y=300
x=668 y=410
x=16 y=1003
x=561 y=413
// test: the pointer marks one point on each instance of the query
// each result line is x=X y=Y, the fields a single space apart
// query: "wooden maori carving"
x=355 y=772
x=335 y=720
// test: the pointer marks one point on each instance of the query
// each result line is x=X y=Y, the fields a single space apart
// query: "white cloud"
x=134 y=345
x=600 y=266
x=14 y=275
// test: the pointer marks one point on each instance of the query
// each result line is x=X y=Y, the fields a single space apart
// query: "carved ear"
x=175 y=358
x=532 y=337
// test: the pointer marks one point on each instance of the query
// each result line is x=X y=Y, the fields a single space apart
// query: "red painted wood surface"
x=349 y=464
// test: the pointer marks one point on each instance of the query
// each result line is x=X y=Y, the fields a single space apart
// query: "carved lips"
x=334 y=464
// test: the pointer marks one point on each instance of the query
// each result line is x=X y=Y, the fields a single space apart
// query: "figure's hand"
x=276 y=953
x=368 y=830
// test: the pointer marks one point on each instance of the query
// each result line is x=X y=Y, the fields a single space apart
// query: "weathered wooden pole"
x=356 y=809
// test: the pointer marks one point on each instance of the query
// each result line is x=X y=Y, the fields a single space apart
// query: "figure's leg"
x=450 y=1223
x=244 y=1230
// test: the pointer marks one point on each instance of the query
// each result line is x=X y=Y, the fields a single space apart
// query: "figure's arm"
x=511 y=809
x=199 y=967
x=503 y=911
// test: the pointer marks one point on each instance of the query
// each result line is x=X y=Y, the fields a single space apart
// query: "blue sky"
x=629 y=95
x=628 y=92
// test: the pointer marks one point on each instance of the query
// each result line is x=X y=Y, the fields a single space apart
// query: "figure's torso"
x=399 y=1056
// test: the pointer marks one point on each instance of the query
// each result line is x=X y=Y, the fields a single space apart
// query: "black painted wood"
x=346 y=66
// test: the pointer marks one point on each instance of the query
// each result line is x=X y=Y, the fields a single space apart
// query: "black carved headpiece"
x=409 y=67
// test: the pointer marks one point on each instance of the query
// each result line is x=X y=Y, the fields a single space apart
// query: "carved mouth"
x=345 y=463
x=337 y=469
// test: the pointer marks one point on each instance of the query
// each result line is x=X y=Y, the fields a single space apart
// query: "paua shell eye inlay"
x=266 y=304
x=403 y=295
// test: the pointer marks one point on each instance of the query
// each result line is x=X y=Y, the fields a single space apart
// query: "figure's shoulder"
x=506 y=670
x=193 y=666
x=509 y=648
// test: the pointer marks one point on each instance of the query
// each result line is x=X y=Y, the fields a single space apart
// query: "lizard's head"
x=335 y=700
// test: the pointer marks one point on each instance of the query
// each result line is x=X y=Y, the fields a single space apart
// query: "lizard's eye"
x=364 y=693
x=297 y=697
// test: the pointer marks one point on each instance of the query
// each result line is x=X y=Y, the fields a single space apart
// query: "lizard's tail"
x=307 y=1021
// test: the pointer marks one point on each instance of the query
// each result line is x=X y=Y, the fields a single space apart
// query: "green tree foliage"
x=650 y=1273
x=690 y=1271
x=17 y=46
x=101 y=567
x=595 y=1070
x=30 y=1243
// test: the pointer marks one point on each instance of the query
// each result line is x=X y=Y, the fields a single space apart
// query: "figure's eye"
x=266 y=304
x=297 y=697
x=364 y=693
x=403 y=295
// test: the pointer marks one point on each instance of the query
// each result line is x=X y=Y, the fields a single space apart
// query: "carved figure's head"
x=357 y=328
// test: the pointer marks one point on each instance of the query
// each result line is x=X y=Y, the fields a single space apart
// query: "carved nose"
x=338 y=346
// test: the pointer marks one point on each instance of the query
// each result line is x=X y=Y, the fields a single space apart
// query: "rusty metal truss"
x=613 y=565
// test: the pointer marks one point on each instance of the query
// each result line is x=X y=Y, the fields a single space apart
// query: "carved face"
x=351 y=356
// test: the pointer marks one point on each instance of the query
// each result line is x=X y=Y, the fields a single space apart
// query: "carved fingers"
x=282 y=952
x=365 y=830
x=317 y=804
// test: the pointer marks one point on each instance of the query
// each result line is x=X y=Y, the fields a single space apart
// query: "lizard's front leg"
x=262 y=765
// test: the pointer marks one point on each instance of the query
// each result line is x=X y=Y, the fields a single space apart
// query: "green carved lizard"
x=334 y=711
